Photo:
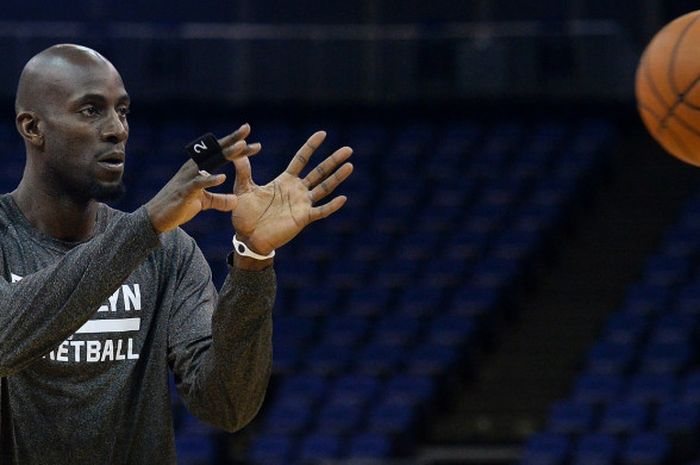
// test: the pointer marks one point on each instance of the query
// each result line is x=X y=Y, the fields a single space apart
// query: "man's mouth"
x=112 y=161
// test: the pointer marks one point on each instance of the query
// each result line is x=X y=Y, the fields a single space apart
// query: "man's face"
x=85 y=130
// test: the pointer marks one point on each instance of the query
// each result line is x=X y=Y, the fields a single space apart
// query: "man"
x=96 y=304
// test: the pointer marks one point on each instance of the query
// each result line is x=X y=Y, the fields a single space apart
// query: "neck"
x=57 y=215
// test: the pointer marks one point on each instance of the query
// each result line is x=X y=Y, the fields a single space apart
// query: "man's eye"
x=89 y=111
x=123 y=111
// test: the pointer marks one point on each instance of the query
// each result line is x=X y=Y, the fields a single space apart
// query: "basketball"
x=667 y=87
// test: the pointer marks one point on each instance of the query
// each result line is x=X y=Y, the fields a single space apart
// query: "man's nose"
x=115 y=129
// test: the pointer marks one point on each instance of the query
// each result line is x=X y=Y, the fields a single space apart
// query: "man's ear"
x=27 y=123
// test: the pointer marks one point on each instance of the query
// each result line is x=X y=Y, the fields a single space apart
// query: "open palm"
x=267 y=217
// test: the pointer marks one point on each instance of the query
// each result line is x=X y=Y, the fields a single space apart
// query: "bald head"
x=53 y=70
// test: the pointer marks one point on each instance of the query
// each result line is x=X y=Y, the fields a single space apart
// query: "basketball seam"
x=655 y=115
x=652 y=85
x=679 y=95
x=674 y=55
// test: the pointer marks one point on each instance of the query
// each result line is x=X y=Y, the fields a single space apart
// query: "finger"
x=241 y=149
x=327 y=209
x=221 y=202
x=205 y=180
x=244 y=175
x=328 y=185
x=302 y=156
x=239 y=134
x=328 y=165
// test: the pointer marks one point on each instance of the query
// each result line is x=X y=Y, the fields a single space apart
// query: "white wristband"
x=242 y=249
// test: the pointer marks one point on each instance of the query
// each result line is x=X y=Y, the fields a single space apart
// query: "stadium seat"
x=339 y=418
x=651 y=388
x=596 y=388
x=610 y=358
x=390 y=419
x=624 y=418
x=678 y=417
x=645 y=449
x=195 y=449
x=569 y=417
x=596 y=449
x=319 y=447
x=368 y=446
x=546 y=449
x=271 y=449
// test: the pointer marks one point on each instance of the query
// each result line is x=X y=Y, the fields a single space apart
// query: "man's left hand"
x=267 y=217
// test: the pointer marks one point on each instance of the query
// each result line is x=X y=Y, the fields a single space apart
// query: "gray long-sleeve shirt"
x=88 y=332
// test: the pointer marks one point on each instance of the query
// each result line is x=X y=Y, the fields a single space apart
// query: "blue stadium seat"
x=691 y=388
x=453 y=194
x=666 y=271
x=688 y=299
x=378 y=359
x=273 y=449
x=316 y=302
x=610 y=357
x=303 y=388
x=570 y=417
x=286 y=358
x=645 y=449
x=546 y=449
x=319 y=447
x=368 y=446
x=395 y=274
x=517 y=244
x=287 y=418
x=473 y=300
x=596 y=388
x=678 y=417
x=496 y=272
x=194 y=449
x=646 y=299
x=665 y=357
x=596 y=449
x=390 y=418
x=625 y=328
x=673 y=328
x=431 y=359
x=338 y=418
x=347 y=274
x=292 y=331
x=651 y=388
x=397 y=329
x=451 y=330
x=466 y=245
x=409 y=389
x=420 y=299
x=354 y=389
x=624 y=418
x=368 y=301
x=444 y=273
x=343 y=330
x=328 y=359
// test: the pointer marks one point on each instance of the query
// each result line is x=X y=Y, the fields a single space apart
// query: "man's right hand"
x=185 y=195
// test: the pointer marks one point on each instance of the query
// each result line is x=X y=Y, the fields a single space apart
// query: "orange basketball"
x=667 y=87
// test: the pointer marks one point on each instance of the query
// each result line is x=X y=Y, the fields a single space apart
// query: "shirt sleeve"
x=46 y=307
x=220 y=345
